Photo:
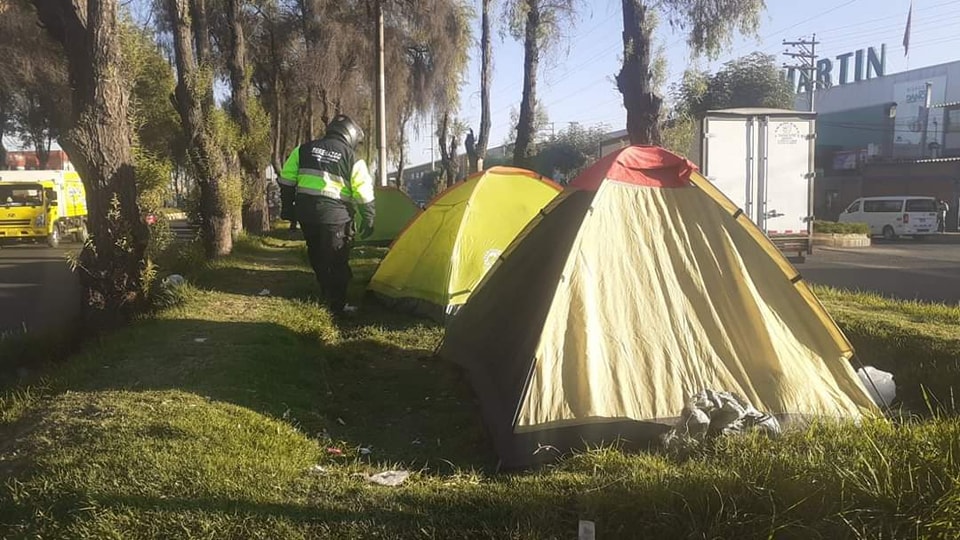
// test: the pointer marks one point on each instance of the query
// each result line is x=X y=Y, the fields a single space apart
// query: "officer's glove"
x=366 y=230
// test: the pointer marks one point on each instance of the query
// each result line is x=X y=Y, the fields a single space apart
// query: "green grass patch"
x=238 y=415
x=834 y=227
x=918 y=342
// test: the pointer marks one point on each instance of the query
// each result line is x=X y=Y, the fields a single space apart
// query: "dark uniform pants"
x=328 y=247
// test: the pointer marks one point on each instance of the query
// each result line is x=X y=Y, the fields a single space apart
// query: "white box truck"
x=762 y=160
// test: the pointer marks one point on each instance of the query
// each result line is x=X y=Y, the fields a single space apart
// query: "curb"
x=841 y=240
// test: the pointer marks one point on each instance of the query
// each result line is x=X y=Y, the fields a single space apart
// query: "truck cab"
x=42 y=206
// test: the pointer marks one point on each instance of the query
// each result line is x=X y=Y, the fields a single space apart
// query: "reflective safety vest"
x=328 y=168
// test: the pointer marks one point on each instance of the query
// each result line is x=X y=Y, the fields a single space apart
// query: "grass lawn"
x=236 y=415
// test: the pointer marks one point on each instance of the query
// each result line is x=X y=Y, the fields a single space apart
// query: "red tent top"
x=647 y=166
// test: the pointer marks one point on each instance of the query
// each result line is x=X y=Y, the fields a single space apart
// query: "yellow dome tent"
x=637 y=287
x=436 y=262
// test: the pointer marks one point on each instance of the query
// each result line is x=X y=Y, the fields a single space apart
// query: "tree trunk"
x=201 y=32
x=311 y=32
x=5 y=114
x=41 y=145
x=442 y=131
x=256 y=218
x=276 y=148
x=635 y=80
x=110 y=266
x=401 y=144
x=400 y=167
x=452 y=169
x=206 y=156
x=528 y=106
x=325 y=107
x=486 y=73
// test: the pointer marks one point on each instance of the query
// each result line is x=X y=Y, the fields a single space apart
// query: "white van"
x=894 y=216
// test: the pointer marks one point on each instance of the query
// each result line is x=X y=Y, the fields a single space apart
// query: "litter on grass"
x=710 y=413
x=586 y=530
x=173 y=280
x=264 y=292
x=389 y=478
x=879 y=384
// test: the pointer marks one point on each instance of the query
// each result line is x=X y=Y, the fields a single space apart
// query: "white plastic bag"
x=875 y=380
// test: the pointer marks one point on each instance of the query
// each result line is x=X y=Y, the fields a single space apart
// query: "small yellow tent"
x=437 y=261
x=395 y=209
x=636 y=288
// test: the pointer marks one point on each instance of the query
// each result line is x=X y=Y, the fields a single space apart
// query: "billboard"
x=910 y=98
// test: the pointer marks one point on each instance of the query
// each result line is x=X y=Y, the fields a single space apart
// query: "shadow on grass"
x=404 y=404
x=284 y=283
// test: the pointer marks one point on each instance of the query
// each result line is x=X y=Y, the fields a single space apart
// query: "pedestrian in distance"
x=942 y=209
x=326 y=188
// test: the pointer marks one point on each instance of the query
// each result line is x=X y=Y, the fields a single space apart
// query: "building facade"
x=896 y=134
x=28 y=161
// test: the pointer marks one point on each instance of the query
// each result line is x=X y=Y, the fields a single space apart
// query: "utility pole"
x=381 y=102
x=433 y=135
x=805 y=53
x=925 y=118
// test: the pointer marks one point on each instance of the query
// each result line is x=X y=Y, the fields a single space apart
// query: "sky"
x=576 y=84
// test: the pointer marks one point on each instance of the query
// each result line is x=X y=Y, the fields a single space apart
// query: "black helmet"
x=348 y=129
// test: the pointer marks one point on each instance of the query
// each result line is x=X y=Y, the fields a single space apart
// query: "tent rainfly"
x=637 y=287
x=437 y=261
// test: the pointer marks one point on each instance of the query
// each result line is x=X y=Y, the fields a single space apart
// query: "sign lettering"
x=867 y=64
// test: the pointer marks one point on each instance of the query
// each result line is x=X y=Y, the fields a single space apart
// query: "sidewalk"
x=944 y=238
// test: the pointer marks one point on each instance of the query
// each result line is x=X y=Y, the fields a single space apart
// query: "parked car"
x=894 y=216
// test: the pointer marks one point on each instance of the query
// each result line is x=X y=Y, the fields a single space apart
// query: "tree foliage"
x=34 y=94
x=567 y=153
x=749 y=81
x=708 y=26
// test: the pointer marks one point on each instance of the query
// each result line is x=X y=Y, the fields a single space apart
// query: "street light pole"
x=381 y=101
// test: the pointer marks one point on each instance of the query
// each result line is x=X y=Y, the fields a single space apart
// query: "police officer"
x=323 y=186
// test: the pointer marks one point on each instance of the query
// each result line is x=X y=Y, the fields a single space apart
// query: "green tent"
x=394 y=210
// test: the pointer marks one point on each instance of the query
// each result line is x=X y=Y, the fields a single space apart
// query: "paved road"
x=901 y=269
x=37 y=288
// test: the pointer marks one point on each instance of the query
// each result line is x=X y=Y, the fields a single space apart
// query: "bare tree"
x=479 y=150
x=194 y=100
x=539 y=23
x=449 y=132
x=111 y=265
x=531 y=62
x=709 y=24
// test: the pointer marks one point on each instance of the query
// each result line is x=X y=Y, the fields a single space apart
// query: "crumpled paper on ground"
x=710 y=413
x=389 y=478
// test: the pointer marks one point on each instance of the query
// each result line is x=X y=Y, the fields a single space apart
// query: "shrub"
x=833 y=227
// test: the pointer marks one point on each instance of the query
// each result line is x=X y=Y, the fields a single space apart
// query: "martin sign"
x=856 y=66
